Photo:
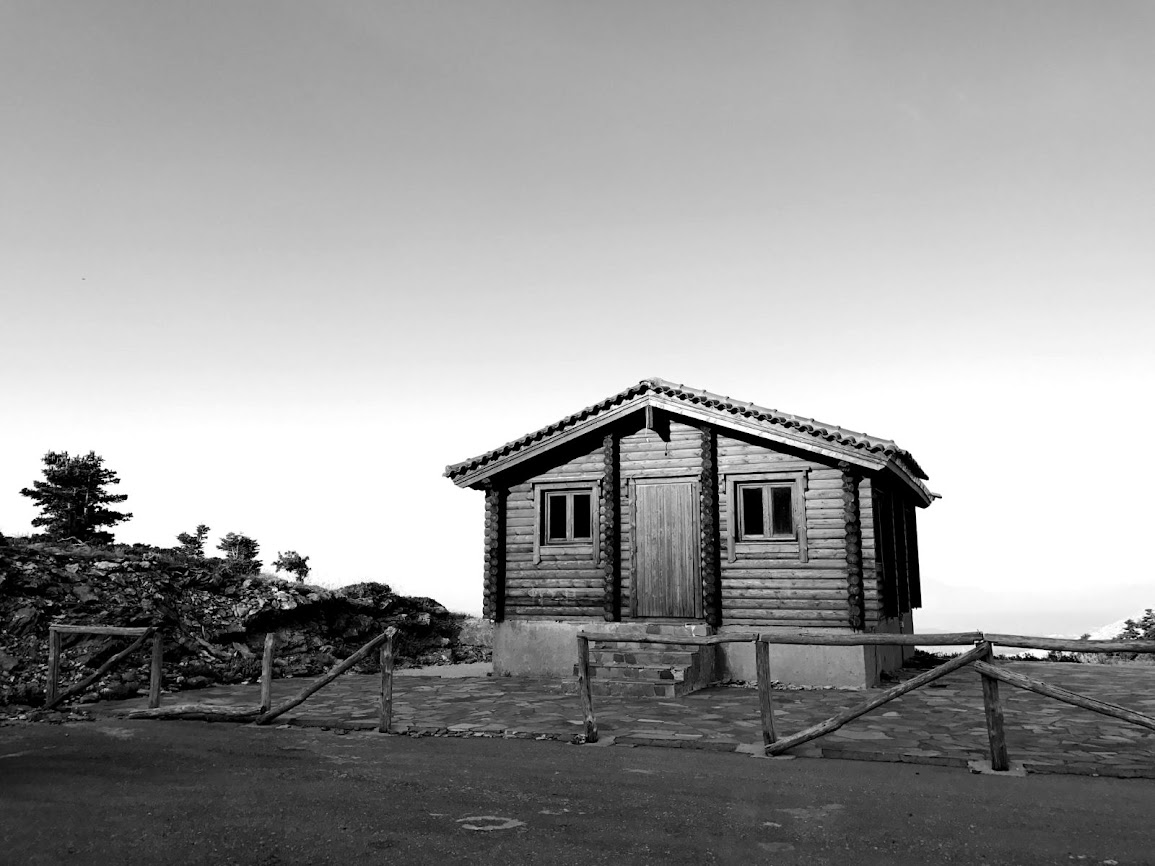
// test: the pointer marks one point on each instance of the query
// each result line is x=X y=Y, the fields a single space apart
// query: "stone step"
x=638 y=688
x=670 y=628
x=654 y=673
x=632 y=646
x=636 y=672
x=649 y=656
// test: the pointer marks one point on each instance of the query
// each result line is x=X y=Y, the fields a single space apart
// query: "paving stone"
x=940 y=726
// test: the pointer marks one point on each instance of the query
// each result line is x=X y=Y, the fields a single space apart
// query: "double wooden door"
x=667 y=561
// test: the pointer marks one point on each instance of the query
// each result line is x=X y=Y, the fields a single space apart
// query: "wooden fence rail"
x=266 y=712
x=54 y=697
x=1071 y=646
x=980 y=657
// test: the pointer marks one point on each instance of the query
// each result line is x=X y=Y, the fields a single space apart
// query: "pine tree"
x=72 y=498
x=294 y=563
x=241 y=553
x=194 y=545
x=1141 y=629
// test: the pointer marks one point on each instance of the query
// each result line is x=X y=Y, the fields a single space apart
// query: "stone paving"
x=942 y=723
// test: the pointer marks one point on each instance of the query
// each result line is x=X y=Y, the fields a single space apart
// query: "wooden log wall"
x=775 y=587
x=675 y=449
x=871 y=571
x=492 y=606
x=708 y=485
x=609 y=530
x=895 y=548
x=855 y=547
x=855 y=599
x=563 y=584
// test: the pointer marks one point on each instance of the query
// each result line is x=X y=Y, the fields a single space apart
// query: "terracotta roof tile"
x=770 y=417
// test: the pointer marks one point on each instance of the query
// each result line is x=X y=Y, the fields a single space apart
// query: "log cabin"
x=667 y=509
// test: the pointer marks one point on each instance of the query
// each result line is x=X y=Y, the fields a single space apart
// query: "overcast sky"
x=280 y=263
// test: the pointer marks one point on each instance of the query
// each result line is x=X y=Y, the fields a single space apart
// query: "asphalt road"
x=122 y=792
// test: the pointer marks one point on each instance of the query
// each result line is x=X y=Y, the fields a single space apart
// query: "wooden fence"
x=54 y=697
x=980 y=657
x=266 y=712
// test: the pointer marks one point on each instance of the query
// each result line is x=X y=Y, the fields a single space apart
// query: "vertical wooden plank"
x=53 y=684
x=386 y=684
x=267 y=672
x=913 y=567
x=632 y=488
x=884 y=551
x=693 y=570
x=800 y=518
x=901 y=571
x=156 y=672
x=538 y=523
x=993 y=710
x=585 y=689
x=667 y=577
x=762 y=663
x=731 y=519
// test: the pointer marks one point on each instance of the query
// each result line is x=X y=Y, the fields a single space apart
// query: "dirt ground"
x=125 y=792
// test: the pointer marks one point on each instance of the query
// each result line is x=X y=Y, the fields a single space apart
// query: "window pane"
x=556 y=516
x=581 y=515
x=781 y=511
x=752 y=520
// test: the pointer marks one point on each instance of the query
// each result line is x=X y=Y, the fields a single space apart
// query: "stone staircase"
x=633 y=669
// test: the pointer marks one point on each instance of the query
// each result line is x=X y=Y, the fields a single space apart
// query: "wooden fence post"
x=585 y=690
x=53 y=684
x=79 y=687
x=387 y=682
x=302 y=696
x=762 y=662
x=267 y=671
x=993 y=709
x=156 y=671
x=837 y=721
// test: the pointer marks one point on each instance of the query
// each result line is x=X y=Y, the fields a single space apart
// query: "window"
x=566 y=517
x=765 y=514
x=765 y=511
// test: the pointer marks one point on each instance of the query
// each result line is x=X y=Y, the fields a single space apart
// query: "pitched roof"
x=804 y=432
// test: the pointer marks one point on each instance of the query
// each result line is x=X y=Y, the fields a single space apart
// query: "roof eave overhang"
x=737 y=423
x=905 y=475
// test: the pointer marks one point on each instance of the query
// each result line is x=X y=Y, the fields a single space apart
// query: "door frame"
x=694 y=481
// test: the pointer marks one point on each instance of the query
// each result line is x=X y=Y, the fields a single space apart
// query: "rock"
x=84 y=593
x=22 y=621
x=118 y=691
x=476 y=632
x=202 y=611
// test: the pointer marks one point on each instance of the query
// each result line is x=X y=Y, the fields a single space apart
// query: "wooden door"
x=666 y=551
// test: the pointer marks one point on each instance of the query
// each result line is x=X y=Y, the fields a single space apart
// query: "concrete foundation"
x=549 y=649
x=524 y=648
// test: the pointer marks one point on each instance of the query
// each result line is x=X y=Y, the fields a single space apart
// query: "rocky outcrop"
x=213 y=620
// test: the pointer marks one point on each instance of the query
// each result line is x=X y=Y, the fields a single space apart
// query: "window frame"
x=768 y=511
x=570 y=547
x=740 y=544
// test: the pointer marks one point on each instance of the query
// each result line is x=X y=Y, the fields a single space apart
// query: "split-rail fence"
x=981 y=657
